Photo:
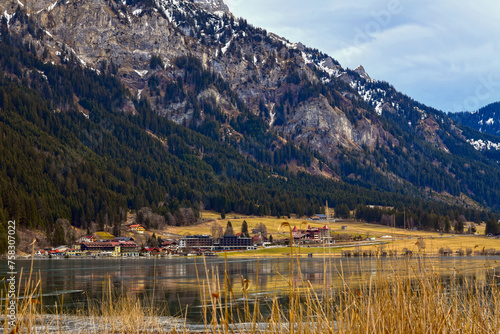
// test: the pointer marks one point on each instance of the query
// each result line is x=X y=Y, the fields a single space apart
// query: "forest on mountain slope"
x=486 y=119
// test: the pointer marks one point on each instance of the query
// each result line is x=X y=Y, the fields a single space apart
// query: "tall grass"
x=406 y=299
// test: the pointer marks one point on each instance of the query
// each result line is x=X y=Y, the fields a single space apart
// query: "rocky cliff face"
x=256 y=64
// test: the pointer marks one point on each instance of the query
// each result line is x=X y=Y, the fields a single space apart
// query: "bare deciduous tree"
x=147 y=217
x=262 y=229
x=217 y=231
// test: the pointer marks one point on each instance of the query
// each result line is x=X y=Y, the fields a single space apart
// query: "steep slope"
x=486 y=119
x=482 y=129
x=92 y=169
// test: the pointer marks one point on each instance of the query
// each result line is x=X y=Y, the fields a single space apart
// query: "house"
x=73 y=252
x=61 y=249
x=128 y=248
x=87 y=238
x=55 y=252
x=152 y=251
x=258 y=240
x=311 y=233
x=319 y=217
x=137 y=228
x=169 y=243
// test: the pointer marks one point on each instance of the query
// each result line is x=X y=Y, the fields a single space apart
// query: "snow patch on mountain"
x=328 y=67
x=273 y=118
x=375 y=97
x=217 y=7
x=378 y=107
x=482 y=145
x=307 y=58
x=8 y=17
x=141 y=73
x=49 y=8
x=224 y=49
x=52 y=6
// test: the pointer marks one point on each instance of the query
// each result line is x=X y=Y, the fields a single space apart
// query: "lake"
x=171 y=284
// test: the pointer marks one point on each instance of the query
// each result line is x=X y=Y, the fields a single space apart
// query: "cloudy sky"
x=444 y=53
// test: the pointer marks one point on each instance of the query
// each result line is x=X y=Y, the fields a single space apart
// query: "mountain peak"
x=217 y=7
x=362 y=73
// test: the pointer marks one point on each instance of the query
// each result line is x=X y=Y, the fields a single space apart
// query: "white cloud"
x=438 y=52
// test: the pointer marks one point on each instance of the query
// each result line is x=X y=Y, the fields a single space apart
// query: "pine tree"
x=229 y=229
x=491 y=227
x=244 y=230
x=447 y=224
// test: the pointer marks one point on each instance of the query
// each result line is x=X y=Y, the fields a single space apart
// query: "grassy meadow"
x=423 y=242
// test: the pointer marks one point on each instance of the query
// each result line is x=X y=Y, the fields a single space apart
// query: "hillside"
x=486 y=123
x=113 y=106
x=486 y=119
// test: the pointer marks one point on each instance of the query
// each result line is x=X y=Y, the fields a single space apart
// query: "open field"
x=272 y=223
x=401 y=239
x=273 y=226
x=432 y=245
x=285 y=252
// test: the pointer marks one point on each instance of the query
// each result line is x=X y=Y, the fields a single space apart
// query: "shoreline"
x=239 y=254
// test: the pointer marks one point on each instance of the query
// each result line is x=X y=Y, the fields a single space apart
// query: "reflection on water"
x=174 y=283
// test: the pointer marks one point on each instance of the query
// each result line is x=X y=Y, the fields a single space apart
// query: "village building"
x=137 y=228
x=206 y=242
x=87 y=238
x=258 y=240
x=319 y=217
x=152 y=251
x=169 y=243
x=196 y=241
x=233 y=242
x=311 y=233
x=107 y=248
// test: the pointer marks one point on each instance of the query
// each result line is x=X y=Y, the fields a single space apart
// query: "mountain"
x=177 y=105
x=486 y=123
x=486 y=119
